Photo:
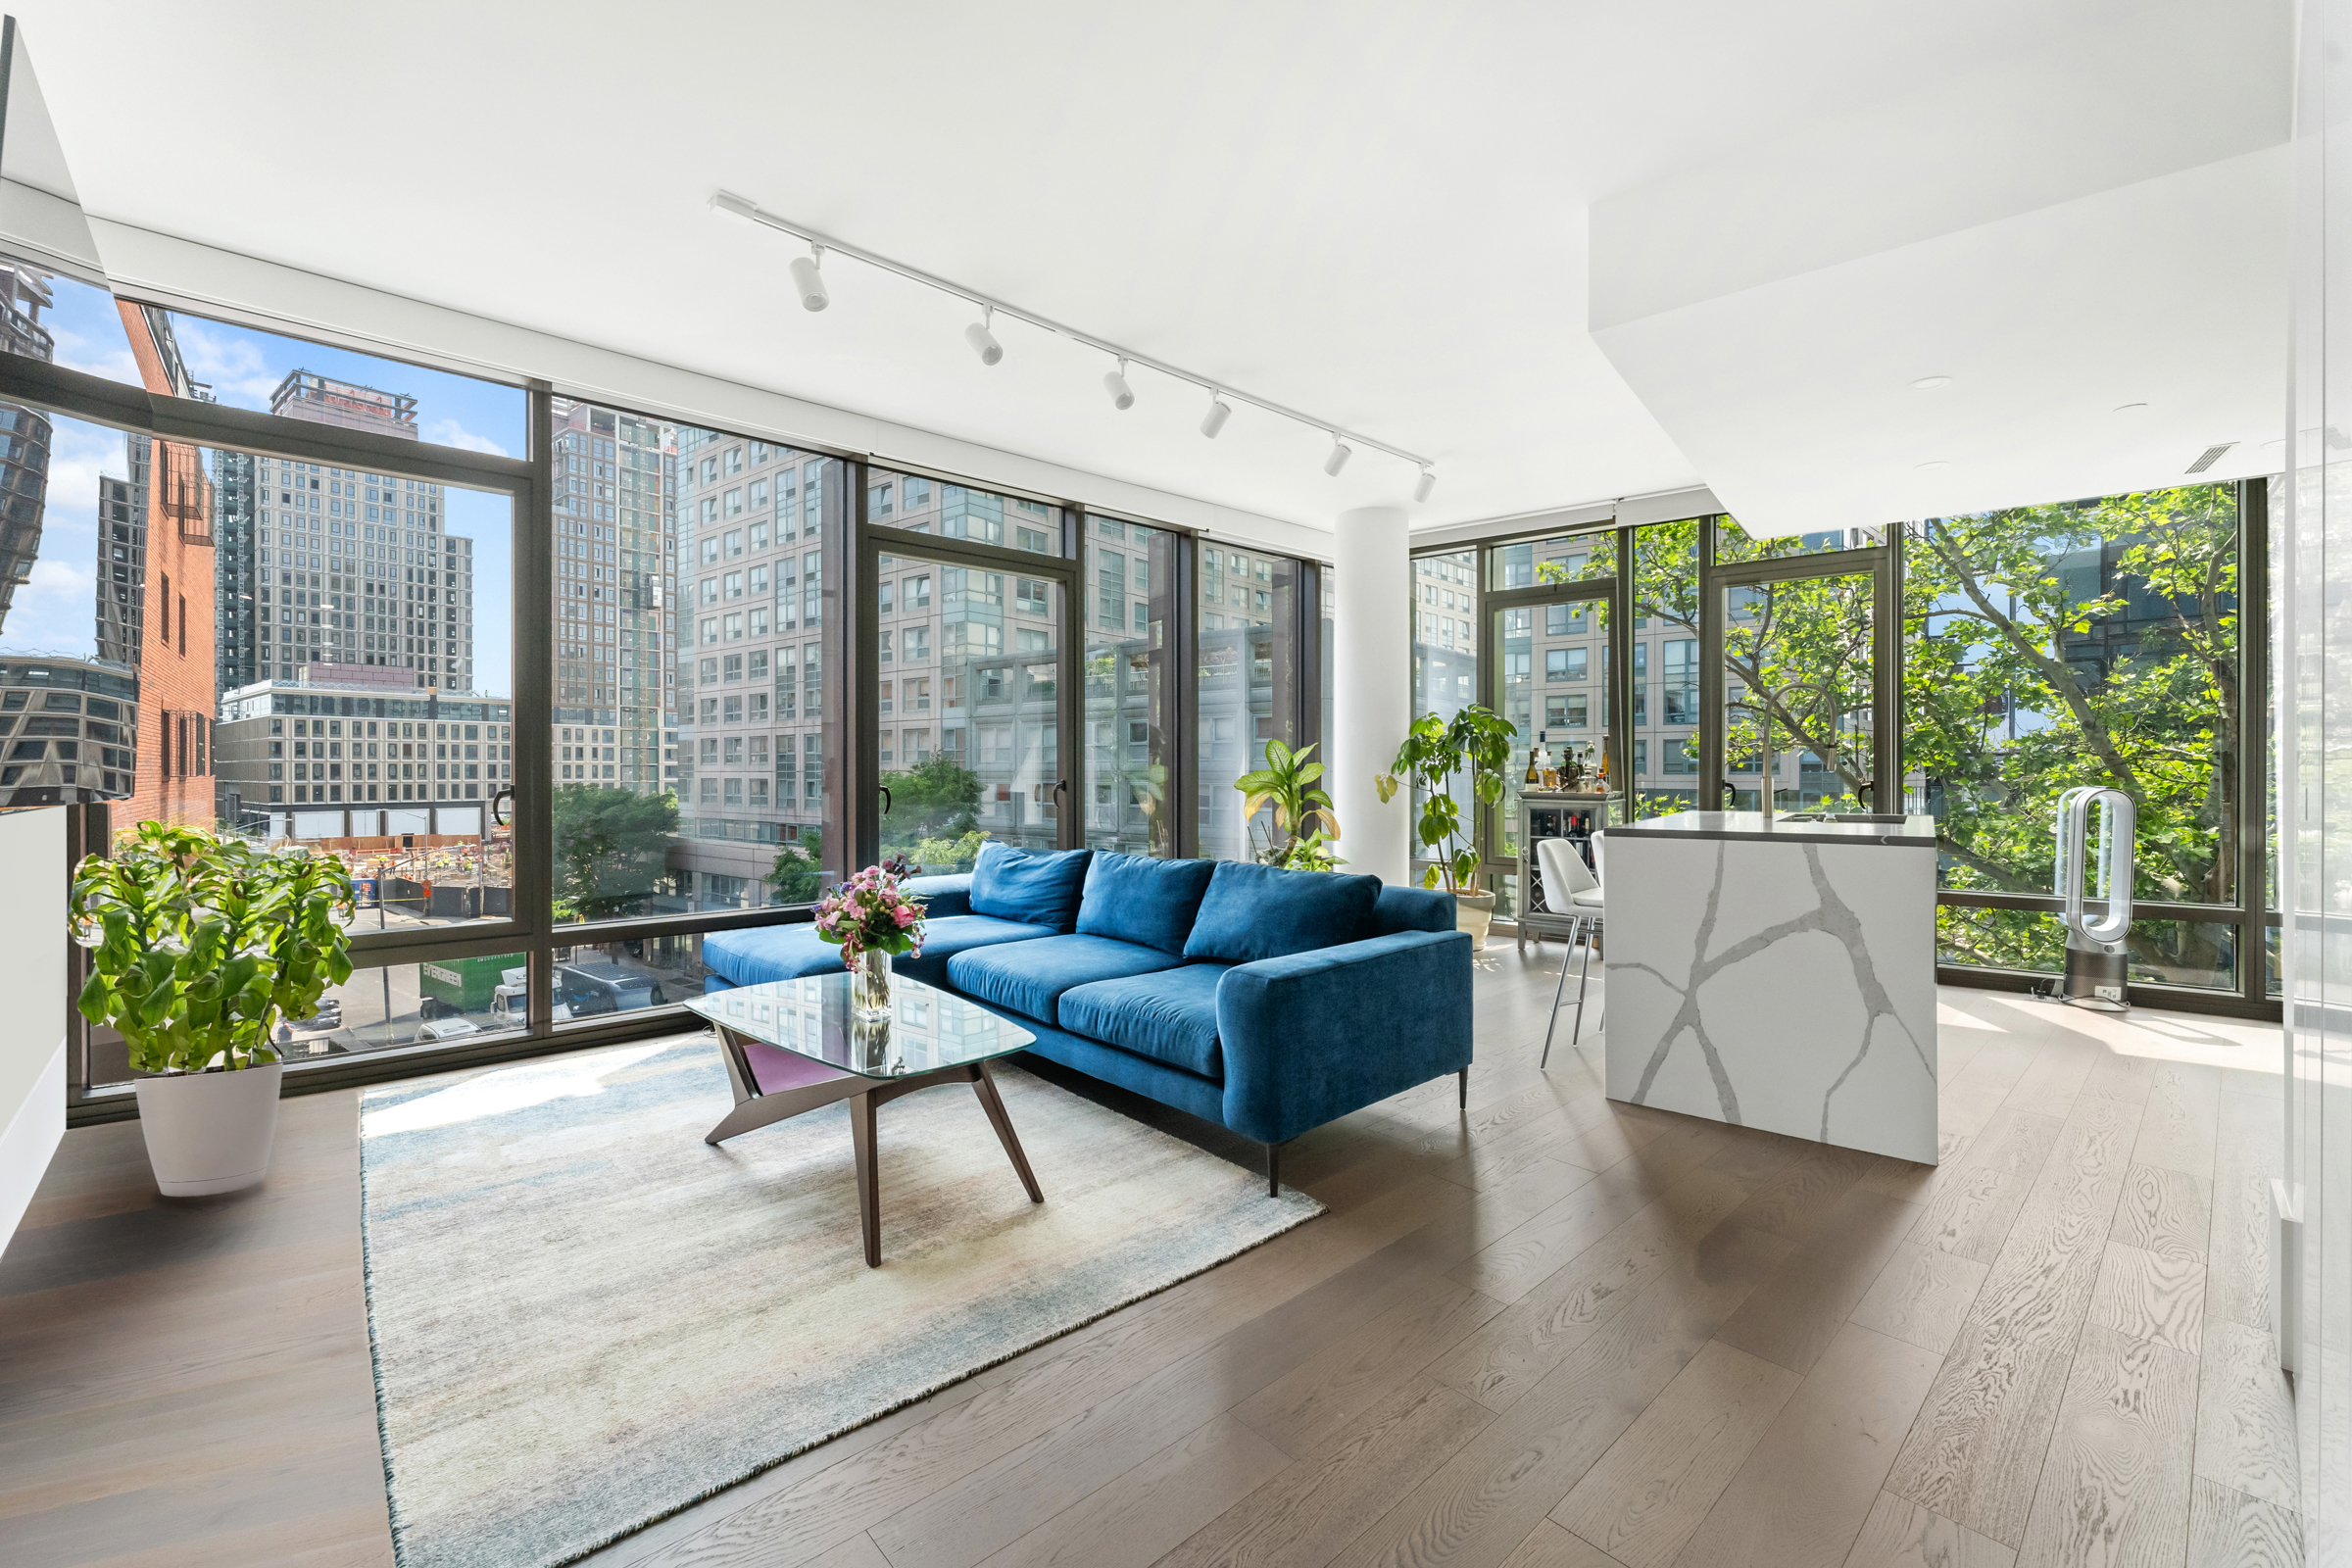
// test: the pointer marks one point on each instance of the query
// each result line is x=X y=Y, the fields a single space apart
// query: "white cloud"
x=57 y=578
x=77 y=352
x=230 y=364
x=450 y=434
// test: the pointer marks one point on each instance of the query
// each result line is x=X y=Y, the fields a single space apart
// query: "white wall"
x=33 y=1027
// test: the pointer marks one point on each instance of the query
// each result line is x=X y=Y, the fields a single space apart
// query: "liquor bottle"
x=1603 y=787
x=1534 y=764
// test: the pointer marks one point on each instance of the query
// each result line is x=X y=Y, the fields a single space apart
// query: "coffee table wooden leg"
x=869 y=1186
x=985 y=1086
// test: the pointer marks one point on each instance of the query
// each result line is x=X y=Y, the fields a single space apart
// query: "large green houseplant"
x=1300 y=813
x=199 y=946
x=1474 y=745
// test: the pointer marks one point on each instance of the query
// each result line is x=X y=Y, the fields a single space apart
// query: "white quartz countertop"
x=1914 y=832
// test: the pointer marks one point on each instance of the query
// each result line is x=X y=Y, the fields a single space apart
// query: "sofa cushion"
x=1136 y=899
x=1258 y=912
x=755 y=954
x=1035 y=886
x=1170 y=1016
x=945 y=938
x=1029 y=977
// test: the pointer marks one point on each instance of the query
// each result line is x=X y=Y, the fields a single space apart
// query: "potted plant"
x=199 y=944
x=870 y=917
x=1301 y=813
x=1476 y=742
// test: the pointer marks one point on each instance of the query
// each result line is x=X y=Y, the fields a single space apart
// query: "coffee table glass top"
x=928 y=1029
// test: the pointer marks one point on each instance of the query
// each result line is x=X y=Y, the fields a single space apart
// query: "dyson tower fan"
x=2096 y=967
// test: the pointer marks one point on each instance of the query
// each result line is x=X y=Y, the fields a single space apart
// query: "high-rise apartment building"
x=23 y=433
x=236 y=579
x=614 y=625
x=352 y=568
x=750 y=667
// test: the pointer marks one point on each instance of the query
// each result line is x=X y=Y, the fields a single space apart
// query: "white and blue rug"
x=586 y=1318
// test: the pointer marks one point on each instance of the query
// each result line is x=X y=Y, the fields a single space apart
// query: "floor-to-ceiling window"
x=2091 y=642
x=276 y=597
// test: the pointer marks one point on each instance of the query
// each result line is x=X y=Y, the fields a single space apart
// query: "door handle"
x=885 y=789
x=496 y=820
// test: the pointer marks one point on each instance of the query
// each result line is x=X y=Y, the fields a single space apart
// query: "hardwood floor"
x=1548 y=1332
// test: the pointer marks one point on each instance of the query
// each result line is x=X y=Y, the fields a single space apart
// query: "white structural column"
x=1372 y=698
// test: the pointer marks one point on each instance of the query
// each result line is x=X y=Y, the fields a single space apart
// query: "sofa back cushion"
x=1136 y=899
x=1257 y=911
x=1035 y=886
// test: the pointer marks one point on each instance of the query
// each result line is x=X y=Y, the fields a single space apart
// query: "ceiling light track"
x=984 y=342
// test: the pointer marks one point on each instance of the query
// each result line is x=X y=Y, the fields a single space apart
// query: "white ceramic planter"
x=210 y=1132
x=1474 y=912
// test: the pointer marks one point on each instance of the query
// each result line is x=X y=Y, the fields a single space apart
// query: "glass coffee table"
x=793 y=1046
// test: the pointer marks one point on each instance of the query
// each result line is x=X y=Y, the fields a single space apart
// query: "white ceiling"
x=1377 y=213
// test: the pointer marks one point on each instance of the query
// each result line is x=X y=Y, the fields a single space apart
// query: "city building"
x=155 y=599
x=24 y=292
x=353 y=567
x=750 y=667
x=614 y=624
x=69 y=731
x=359 y=736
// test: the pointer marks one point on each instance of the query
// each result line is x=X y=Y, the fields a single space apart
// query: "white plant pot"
x=1474 y=912
x=210 y=1132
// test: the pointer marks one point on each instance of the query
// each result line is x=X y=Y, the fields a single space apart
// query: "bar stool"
x=1570 y=888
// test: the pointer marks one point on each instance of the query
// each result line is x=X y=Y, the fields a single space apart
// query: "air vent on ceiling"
x=2209 y=456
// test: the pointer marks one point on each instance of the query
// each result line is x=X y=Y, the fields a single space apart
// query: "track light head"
x=1341 y=452
x=1114 y=382
x=1425 y=484
x=984 y=342
x=1219 y=411
x=808 y=280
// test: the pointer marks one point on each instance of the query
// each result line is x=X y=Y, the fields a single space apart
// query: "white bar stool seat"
x=1570 y=888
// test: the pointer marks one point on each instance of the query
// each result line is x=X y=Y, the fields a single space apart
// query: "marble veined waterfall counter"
x=1775 y=974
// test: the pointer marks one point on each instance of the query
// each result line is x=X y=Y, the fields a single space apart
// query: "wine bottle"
x=1534 y=764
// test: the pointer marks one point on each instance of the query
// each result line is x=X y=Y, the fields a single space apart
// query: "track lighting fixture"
x=808 y=282
x=809 y=279
x=984 y=342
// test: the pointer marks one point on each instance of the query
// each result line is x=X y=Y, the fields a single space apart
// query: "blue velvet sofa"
x=1268 y=1001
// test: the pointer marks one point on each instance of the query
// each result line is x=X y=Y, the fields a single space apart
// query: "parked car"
x=602 y=986
x=446 y=1029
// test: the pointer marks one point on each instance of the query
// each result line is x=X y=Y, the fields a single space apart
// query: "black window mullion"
x=534 y=666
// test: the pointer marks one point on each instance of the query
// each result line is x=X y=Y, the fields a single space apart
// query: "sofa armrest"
x=1316 y=1035
x=948 y=895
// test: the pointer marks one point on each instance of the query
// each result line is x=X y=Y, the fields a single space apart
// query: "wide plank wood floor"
x=1550 y=1331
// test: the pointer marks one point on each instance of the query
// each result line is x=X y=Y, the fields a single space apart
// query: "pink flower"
x=904 y=916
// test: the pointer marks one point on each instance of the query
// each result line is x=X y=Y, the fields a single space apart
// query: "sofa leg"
x=1465 y=1088
x=1273 y=1170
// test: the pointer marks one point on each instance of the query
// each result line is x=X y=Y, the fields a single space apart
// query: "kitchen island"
x=1776 y=973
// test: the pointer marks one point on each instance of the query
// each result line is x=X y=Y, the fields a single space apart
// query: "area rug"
x=585 y=1318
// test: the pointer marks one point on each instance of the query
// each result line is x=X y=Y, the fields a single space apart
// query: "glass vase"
x=869 y=984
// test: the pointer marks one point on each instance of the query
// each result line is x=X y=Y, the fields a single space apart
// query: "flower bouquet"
x=870 y=917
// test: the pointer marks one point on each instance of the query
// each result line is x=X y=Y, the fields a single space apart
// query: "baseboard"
x=32 y=1137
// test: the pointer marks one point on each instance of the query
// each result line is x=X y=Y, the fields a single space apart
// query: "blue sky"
x=54 y=613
